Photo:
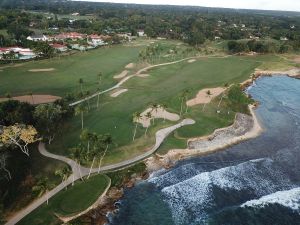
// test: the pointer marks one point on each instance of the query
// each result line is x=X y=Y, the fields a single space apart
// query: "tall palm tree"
x=76 y=155
x=32 y=99
x=154 y=107
x=149 y=117
x=80 y=110
x=98 y=97
x=136 y=117
x=107 y=140
x=208 y=94
x=42 y=187
x=164 y=107
x=99 y=75
x=93 y=154
x=64 y=173
x=80 y=81
x=186 y=94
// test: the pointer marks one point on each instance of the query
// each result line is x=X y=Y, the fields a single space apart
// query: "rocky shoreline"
x=244 y=127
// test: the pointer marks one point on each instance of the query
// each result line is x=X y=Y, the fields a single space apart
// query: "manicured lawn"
x=163 y=86
x=74 y=200
x=68 y=70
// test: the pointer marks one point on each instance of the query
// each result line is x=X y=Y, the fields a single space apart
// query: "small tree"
x=136 y=117
x=80 y=81
x=149 y=117
x=42 y=187
x=64 y=173
x=80 y=110
x=19 y=135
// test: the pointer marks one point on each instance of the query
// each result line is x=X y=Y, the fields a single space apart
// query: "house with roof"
x=19 y=53
x=96 y=40
x=37 y=38
x=141 y=33
x=59 y=47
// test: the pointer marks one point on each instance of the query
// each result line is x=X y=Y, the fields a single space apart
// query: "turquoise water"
x=255 y=182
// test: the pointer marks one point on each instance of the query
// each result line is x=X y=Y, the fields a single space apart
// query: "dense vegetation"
x=194 y=25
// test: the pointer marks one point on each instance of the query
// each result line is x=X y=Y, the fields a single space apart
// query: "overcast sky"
x=291 y=5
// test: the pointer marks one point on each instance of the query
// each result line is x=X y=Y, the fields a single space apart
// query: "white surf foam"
x=289 y=198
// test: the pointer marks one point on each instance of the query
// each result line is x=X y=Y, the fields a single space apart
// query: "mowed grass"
x=68 y=202
x=68 y=70
x=163 y=86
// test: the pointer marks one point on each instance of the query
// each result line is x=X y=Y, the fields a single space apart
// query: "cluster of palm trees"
x=93 y=146
x=137 y=116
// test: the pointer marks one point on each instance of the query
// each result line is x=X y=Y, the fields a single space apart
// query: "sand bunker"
x=130 y=66
x=159 y=113
x=203 y=98
x=118 y=92
x=122 y=75
x=192 y=60
x=42 y=70
x=34 y=99
x=143 y=75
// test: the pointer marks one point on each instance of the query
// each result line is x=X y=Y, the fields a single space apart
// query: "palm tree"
x=208 y=94
x=30 y=93
x=86 y=136
x=80 y=110
x=93 y=154
x=76 y=155
x=8 y=95
x=80 y=81
x=164 y=108
x=186 y=93
x=64 y=173
x=42 y=187
x=107 y=140
x=149 y=117
x=136 y=117
x=99 y=75
x=98 y=97
x=154 y=107
x=182 y=97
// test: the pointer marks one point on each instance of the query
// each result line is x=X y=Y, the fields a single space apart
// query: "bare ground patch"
x=122 y=74
x=118 y=92
x=143 y=75
x=34 y=99
x=130 y=66
x=42 y=70
x=157 y=113
x=205 y=96
x=192 y=60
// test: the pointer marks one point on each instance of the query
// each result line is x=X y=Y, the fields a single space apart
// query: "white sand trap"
x=192 y=60
x=130 y=66
x=122 y=75
x=159 y=113
x=42 y=70
x=34 y=99
x=203 y=98
x=118 y=92
x=143 y=75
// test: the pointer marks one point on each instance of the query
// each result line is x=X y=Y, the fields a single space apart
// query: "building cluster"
x=17 y=53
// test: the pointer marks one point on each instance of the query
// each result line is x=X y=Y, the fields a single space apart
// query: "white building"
x=96 y=40
x=141 y=33
x=37 y=38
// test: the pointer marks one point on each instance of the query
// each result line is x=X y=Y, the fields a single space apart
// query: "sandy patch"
x=159 y=113
x=118 y=92
x=143 y=75
x=34 y=99
x=42 y=70
x=192 y=60
x=121 y=75
x=296 y=59
x=203 y=98
x=130 y=66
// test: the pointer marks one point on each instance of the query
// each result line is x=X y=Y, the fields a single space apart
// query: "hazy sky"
x=292 y=5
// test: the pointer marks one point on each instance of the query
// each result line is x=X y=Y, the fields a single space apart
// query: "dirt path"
x=79 y=171
x=141 y=71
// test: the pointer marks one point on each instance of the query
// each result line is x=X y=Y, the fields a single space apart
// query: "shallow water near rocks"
x=254 y=182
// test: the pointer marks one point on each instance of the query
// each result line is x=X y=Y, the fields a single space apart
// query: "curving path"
x=127 y=78
x=79 y=171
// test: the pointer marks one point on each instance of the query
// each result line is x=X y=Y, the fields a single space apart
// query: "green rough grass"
x=68 y=70
x=67 y=202
x=163 y=86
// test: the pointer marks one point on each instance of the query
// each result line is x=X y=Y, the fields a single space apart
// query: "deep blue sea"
x=255 y=182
